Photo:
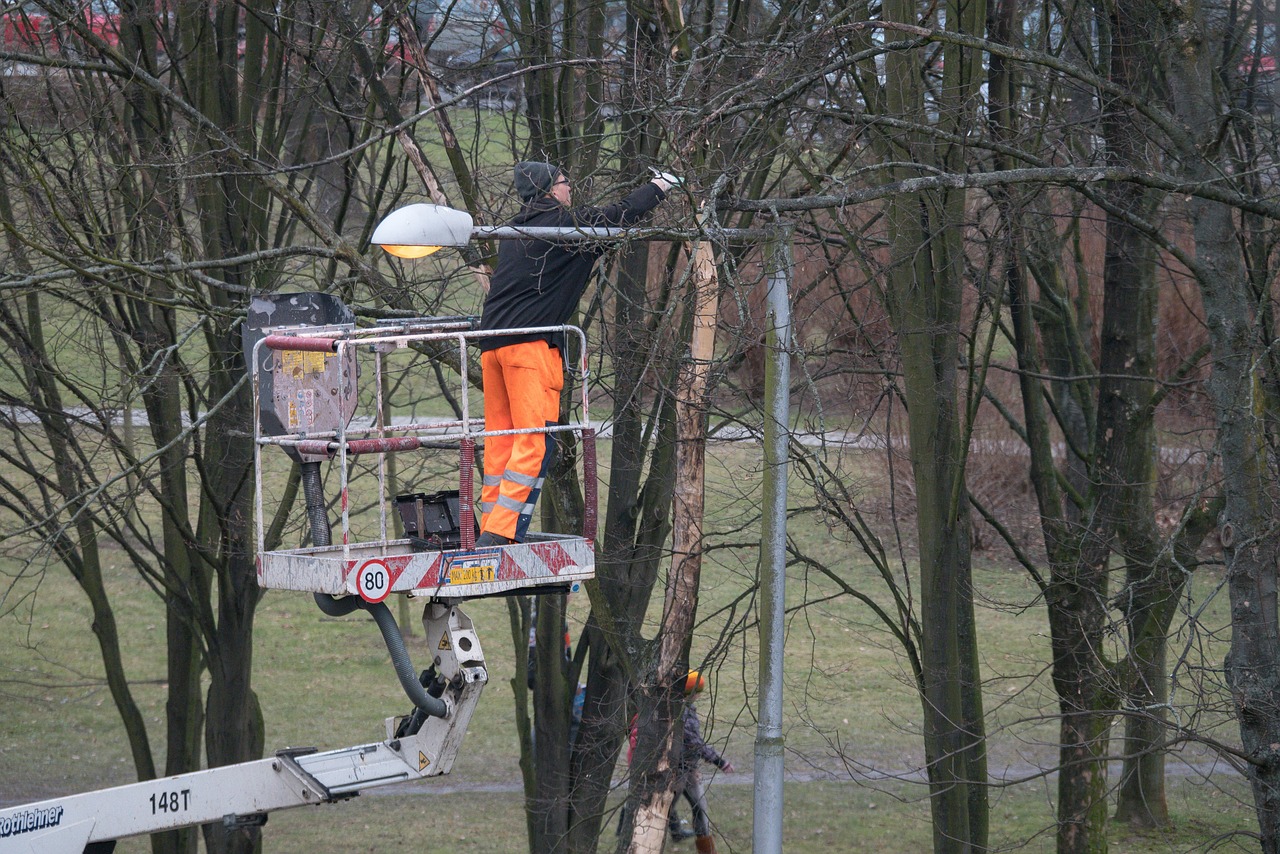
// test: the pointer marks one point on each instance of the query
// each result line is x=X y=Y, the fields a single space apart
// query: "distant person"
x=678 y=827
x=425 y=14
x=536 y=283
x=580 y=692
x=695 y=751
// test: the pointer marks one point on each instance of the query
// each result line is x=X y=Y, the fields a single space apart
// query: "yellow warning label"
x=444 y=642
x=472 y=573
x=423 y=761
x=300 y=362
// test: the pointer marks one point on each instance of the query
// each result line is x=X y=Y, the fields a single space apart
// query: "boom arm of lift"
x=415 y=747
x=305 y=383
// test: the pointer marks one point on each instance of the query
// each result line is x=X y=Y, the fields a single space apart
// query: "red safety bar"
x=298 y=342
x=387 y=445
x=466 y=492
x=589 y=485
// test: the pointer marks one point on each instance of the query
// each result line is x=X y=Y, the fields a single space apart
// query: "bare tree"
x=151 y=187
x=1240 y=338
x=154 y=176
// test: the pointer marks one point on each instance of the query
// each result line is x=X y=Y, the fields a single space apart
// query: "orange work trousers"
x=522 y=384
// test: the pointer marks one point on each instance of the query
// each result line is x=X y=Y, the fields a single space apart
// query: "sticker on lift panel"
x=471 y=569
x=373 y=580
x=298 y=363
x=302 y=410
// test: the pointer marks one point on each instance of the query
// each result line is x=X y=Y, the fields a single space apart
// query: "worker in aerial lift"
x=536 y=283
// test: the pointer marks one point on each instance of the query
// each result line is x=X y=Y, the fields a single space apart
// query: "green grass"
x=818 y=818
x=852 y=715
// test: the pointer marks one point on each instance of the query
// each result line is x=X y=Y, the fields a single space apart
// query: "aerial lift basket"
x=308 y=379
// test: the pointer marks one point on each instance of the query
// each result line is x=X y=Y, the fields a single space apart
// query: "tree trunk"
x=1142 y=800
x=653 y=768
x=1150 y=602
x=660 y=715
x=1125 y=414
x=548 y=808
x=1080 y=678
x=923 y=297
x=636 y=525
x=636 y=515
x=1251 y=542
x=600 y=732
x=234 y=729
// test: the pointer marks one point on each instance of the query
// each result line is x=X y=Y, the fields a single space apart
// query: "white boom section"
x=245 y=792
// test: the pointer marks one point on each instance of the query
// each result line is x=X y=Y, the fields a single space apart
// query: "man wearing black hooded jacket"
x=536 y=283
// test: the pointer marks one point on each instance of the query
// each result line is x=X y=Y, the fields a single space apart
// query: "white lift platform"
x=306 y=379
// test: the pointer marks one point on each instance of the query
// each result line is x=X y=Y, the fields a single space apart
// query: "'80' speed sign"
x=373 y=580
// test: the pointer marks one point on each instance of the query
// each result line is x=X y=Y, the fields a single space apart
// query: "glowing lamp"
x=418 y=230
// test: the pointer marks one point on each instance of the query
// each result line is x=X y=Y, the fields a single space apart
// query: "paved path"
x=1009 y=775
x=861 y=439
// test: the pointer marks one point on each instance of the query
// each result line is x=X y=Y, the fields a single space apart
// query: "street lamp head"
x=418 y=230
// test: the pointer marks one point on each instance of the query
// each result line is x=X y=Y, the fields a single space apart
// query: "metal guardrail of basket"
x=306 y=380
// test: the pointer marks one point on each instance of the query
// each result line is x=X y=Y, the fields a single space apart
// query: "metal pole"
x=613 y=234
x=767 y=829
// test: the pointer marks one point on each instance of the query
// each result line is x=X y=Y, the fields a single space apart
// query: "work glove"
x=664 y=180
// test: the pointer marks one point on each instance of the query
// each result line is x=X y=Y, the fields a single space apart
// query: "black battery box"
x=432 y=520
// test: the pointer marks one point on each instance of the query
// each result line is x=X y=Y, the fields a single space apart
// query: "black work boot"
x=680 y=829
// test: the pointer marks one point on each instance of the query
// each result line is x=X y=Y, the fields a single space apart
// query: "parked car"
x=27 y=27
x=467 y=68
x=448 y=29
